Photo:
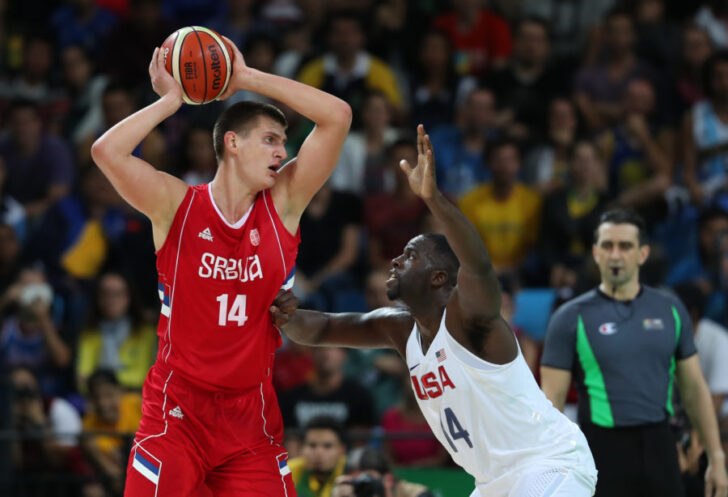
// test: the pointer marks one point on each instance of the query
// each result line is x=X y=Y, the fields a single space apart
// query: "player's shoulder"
x=660 y=296
x=394 y=316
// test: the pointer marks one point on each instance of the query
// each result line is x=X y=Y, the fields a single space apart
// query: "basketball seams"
x=177 y=60
x=204 y=61
x=224 y=49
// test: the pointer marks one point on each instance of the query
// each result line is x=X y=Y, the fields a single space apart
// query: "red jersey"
x=216 y=283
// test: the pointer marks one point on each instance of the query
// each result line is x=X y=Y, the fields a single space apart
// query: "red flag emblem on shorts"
x=254 y=237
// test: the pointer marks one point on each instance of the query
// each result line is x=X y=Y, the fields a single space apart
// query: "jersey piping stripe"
x=671 y=381
x=275 y=230
x=601 y=410
x=283 y=473
x=262 y=415
x=174 y=277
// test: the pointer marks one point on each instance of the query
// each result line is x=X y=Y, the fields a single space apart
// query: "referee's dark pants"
x=636 y=461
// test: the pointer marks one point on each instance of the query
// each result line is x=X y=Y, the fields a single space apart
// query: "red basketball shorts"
x=198 y=443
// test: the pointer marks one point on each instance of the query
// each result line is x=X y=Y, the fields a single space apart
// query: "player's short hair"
x=442 y=257
x=623 y=216
x=101 y=377
x=240 y=118
x=326 y=423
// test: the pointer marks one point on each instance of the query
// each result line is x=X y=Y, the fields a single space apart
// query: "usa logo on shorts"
x=254 y=237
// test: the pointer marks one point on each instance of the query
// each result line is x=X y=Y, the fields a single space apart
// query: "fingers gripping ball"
x=200 y=60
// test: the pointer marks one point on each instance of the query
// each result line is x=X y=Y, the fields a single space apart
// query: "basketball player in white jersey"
x=468 y=374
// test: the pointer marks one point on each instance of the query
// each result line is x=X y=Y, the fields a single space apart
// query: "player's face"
x=618 y=253
x=408 y=271
x=262 y=152
x=322 y=449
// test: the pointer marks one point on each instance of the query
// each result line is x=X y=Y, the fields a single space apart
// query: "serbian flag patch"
x=283 y=468
x=147 y=466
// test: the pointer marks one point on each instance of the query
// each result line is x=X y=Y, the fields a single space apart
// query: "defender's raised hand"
x=422 y=175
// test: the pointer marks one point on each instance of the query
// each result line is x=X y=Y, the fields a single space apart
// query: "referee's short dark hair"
x=623 y=216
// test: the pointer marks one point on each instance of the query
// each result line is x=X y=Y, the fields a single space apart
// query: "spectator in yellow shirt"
x=505 y=211
x=323 y=459
x=113 y=411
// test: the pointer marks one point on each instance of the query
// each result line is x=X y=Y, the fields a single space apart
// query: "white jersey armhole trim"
x=467 y=357
x=240 y=222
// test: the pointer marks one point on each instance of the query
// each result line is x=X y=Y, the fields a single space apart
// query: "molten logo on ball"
x=215 y=66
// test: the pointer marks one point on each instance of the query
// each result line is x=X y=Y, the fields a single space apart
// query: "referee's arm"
x=558 y=355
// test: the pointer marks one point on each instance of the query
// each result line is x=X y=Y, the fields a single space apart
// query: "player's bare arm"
x=319 y=153
x=154 y=193
x=386 y=327
x=474 y=306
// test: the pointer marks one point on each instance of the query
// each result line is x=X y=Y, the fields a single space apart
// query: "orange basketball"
x=200 y=60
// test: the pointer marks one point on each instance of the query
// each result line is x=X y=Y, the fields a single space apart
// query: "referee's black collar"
x=626 y=302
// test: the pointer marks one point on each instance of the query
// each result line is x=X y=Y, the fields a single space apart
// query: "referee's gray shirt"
x=622 y=354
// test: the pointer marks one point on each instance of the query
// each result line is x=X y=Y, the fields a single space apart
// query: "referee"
x=625 y=343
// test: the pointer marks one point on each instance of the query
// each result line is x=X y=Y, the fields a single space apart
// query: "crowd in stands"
x=542 y=114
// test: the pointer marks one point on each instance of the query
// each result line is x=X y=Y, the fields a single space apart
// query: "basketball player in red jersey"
x=210 y=418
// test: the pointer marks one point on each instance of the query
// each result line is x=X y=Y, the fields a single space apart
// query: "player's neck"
x=231 y=196
x=428 y=322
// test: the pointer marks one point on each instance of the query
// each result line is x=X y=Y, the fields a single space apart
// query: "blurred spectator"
x=198 y=163
x=347 y=70
x=330 y=393
x=504 y=211
x=9 y=257
x=29 y=337
x=132 y=41
x=599 y=89
x=434 y=81
x=115 y=338
x=85 y=90
x=260 y=51
x=711 y=340
x=363 y=165
x=238 y=21
x=189 y=12
x=74 y=237
x=460 y=148
x=116 y=413
x=410 y=441
x=328 y=253
x=658 y=37
x=705 y=136
x=39 y=166
x=482 y=39
x=569 y=215
x=83 y=23
x=368 y=461
x=572 y=22
x=712 y=17
x=33 y=82
x=546 y=165
x=637 y=151
x=118 y=102
x=527 y=83
x=393 y=218
x=296 y=49
x=48 y=432
x=322 y=460
x=696 y=49
x=12 y=213
x=703 y=265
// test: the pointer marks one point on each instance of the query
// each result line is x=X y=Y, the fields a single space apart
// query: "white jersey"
x=494 y=420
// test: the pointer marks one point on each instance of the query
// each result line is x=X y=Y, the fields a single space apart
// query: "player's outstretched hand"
x=284 y=305
x=422 y=175
x=716 y=481
x=239 y=76
x=162 y=82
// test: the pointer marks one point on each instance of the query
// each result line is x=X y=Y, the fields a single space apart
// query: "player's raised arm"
x=155 y=193
x=320 y=151
x=478 y=292
x=386 y=327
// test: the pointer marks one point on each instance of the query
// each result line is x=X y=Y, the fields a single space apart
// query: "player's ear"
x=644 y=253
x=232 y=141
x=438 y=278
